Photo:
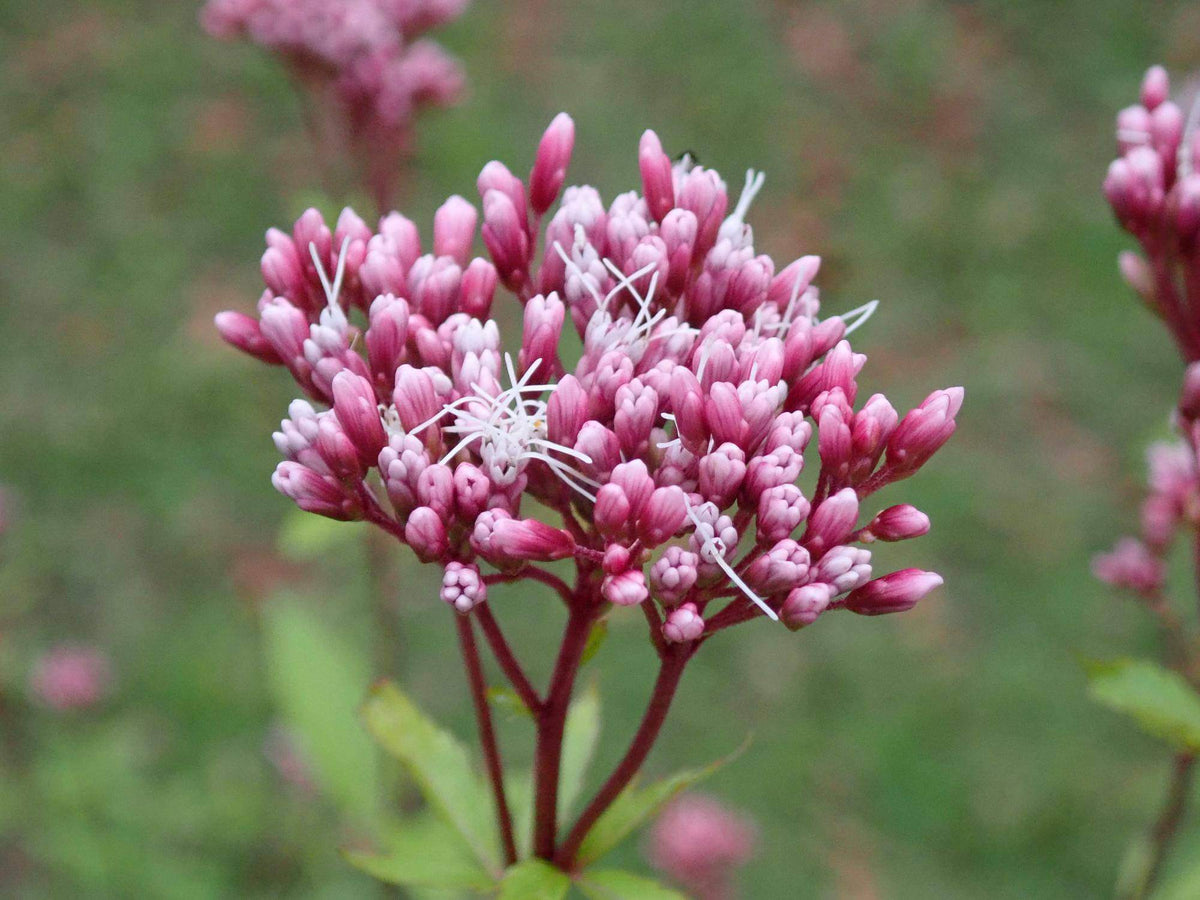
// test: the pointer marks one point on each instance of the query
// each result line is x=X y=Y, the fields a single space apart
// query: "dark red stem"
x=665 y=685
x=487 y=735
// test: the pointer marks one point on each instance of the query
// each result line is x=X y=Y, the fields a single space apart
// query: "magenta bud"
x=897 y=592
x=781 y=509
x=336 y=449
x=1136 y=274
x=505 y=238
x=435 y=489
x=531 y=540
x=386 y=337
x=542 y=331
x=550 y=166
x=674 y=574
x=721 y=474
x=358 y=412
x=415 y=399
x=471 y=491
x=832 y=521
x=314 y=492
x=242 y=331
x=462 y=586
x=923 y=431
x=1156 y=87
x=566 y=411
x=663 y=516
x=658 y=184
x=426 y=534
x=477 y=288
x=454 y=229
x=626 y=588
x=600 y=445
x=896 y=523
x=483 y=531
x=683 y=624
x=804 y=604
x=284 y=327
x=616 y=559
x=612 y=510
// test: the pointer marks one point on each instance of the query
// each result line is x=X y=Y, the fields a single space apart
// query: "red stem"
x=507 y=659
x=551 y=723
x=665 y=686
x=1169 y=819
x=487 y=735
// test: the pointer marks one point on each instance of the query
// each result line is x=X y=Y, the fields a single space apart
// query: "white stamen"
x=712 y=549
x=863 y=313
x=331 y=290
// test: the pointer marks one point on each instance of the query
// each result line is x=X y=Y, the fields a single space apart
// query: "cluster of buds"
x=1171 y=506
x=1154 y=190
x=669 y=452
x=71 y=677
x=359 y=63
x=699 y=844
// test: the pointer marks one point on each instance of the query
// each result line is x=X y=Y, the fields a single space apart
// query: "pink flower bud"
x=531 y=540
x=612 y=510
x=683 y=624
x=831 y=522
x=284 y=327
x=314 y=492
x=477 y=288
x=435 y=489
x=873 y=426
x=844 y=568
x=897 y=592
x=415 y=399
x=454 y=229
x=242 y=331
x=566 y=411
x=541 y=334
x=336 y=449
x=426 y=534
x=626 y=588
x=657 y=180
x=783 y=567
x=505 y=238
x=780 y=511
x=601 y=446
x=386 y=338
x=462 y=586
x=358 y=412
x=698 y=843
x=495 y=176
x=804 y=604
x=674 y=574
x=636 y=412
x=663 y=516
x=1156 y=87
x=471 y=491
x=69 y=678
x=1131 y=566
x=896 y=523
x=721 y=474
x=923 y=431
x=781 y=466
x=401 y=464
x=483 y=531
x=550 y=166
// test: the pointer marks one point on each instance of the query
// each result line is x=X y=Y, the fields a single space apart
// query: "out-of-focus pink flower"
x=1130 y=565
x=71 y=677
x=700 y=844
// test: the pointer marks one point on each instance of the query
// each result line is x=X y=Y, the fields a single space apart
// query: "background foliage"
x=944 y=157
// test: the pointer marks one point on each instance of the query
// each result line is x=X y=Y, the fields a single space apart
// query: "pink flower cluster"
x=362 y=55
x=1154 y=189
x=669 y=445
x=70 y=677
x=699 y=844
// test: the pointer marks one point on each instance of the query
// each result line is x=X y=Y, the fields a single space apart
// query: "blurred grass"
x=944 y=157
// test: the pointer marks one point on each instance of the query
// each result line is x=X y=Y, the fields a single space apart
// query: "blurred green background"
x=943 y=157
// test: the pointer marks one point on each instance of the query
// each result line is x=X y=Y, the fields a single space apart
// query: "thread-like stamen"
x=331 y=290
x=713 y=549
x=863 y=313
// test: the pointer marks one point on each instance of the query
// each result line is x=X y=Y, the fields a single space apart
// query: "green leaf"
x=518 y=787
x=1184 y=886
x=534 y=879
x=423 y=852
x=595 y=640
x=579 y=743
x=635 y=805
x=439 y=764
x=1134 y=870
x=318 y=682
x=508 y=702
x=613 y=884
x=1162 y=702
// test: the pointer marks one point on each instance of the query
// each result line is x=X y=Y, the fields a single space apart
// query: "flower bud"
x=1131 y=566
x=314 y=492
x=550 y=165
x=462 y=586
x=626 y=588
x=896 y=523
x=780 y=510
x=358 y=412
x=923 y=431
x=657 y=180
x=454 y=229
x=663 y=516
x=477 y=288
x=804 y=604
x=831 y=522
x=674 y=574
x=426 y=534
x=683 y=624
x=242 y=331
x=892 y=593
x=611 y=511
x=530 y=539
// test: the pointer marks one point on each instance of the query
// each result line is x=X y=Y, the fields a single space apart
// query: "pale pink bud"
x=1131 y=565
x=636 y=411
x=336 y=449
x=454 y=229
x=505 y=238
x=674 y=574
x=530 y=539
x=783 y=567
x=401 y=464
x=896 y=523
x=844 y=568
x=433 y=284
x=550 y=166
x=483 y=531
x=462 y=586
x=634 y=480
x=780 y=510
x=541 y=333
x=678 y=232
x=872 y=427
x=566 y=411
x=804 y=604
x=67 y=678
x=358 y=412
x=683 y=624
x=415 y=399
x=897 y=592
x=471 y=491
x=626 y=588
x=663 y=516
x=242 y=331
x=284 y=327
x=1156 y=87
x=611 y=513
x=658 y=184
x=477 y=288
x=832 y=521
x=781 y=466
x=600 y=445
x=426 y=534
x=793 y=281
x=314 y=492
x=495 y=176
x=435 y=489
x=923 y=431
x=386 y=338
x=721 y=474
x=702 y=192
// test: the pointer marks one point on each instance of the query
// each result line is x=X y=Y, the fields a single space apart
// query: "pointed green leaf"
x=636 y=804
x=423 y=852
x=518 y=787
x=439 y=764
x=534 y=879
x=509 y=702
x=318 y=682
x=1183 y=886
x=595 y=640
x=579 y=743
x=613 y=884
x=1162 y=701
